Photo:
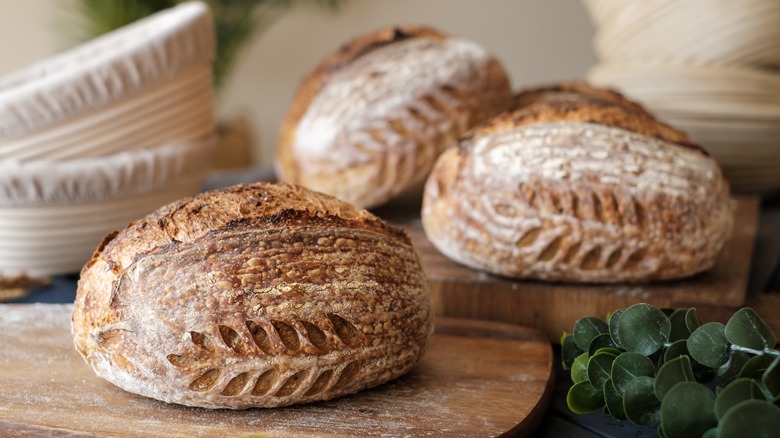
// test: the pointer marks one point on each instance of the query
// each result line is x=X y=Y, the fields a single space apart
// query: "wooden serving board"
x=459 y=291
x=476 y=379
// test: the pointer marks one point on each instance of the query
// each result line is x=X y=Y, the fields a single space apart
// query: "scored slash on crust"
x=603 y=207
x=372 y=128
x=577 y=201
x=273 y=337
x=263 y=289
x=270 y=381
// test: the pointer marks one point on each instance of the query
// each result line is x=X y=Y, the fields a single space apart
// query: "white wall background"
x=538 y=40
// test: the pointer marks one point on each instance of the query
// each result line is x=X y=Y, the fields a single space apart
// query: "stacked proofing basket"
x=101 y=135
x=708 y=67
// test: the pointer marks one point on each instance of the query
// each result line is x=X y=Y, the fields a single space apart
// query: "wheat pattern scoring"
x=272 y=338
x=377 y=126
x=603 y=207
x=577 y=201
x=399 y=150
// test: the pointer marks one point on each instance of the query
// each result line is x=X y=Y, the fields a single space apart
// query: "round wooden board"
x=477 y=378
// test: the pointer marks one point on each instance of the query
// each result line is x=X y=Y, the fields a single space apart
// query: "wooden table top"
x=558 y=421
x=477 y=378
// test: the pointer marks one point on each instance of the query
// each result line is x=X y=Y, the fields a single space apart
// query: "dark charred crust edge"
x=398 y=35
x=360 y=46
x=307 y=218
x=108 y=238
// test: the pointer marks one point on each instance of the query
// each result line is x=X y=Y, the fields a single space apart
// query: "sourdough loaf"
x=578 y=184
x=253 y=296
x=369 y=121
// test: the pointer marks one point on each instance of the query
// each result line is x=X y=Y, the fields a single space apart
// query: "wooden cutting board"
x=459 y=291
x=476 y=379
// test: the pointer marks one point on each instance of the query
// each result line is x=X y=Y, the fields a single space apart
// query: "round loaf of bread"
x=253 y=296
x=578 y=184
x=369 y=122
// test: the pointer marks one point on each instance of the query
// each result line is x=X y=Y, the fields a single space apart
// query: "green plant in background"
x=659 y=367
x=236 y=22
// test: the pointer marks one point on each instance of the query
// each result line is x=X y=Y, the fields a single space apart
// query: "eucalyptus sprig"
x=664 y=367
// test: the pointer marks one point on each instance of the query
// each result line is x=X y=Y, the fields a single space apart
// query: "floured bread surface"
x=253 y=296
x=370 y=121
x=577 y=186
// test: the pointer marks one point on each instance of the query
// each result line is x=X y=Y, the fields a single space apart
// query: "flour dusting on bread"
x=561 y=189
x=384 y=84
x=253 y=296
x=370 y=127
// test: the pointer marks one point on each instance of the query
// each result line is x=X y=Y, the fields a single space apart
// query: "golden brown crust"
x=260 y=295
x=563 y=189
x=321 y=74
x=381 y=153
x=365 y=44
x=580 y=102
x=191 y=218
x=573 y=91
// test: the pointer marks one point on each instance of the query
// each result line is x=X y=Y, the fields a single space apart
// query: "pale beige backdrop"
x=538 y=41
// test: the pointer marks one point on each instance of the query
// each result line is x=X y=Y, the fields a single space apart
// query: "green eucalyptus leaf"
x=708 y=345
x=679 y=325
x=755 y=366
x=643 y=329
x=746 y=329
x=692 y=320
x=603 y=340
x=671 y=373
x=655 y=380
x=585 y=329
x=687 y=410
x=614 y=401
x=579 y=369
x=736 y=392
x=771 y=378
x=640 y=403
x=569 y=350
x=613 y=351
x=629 y=366
x=677 y=349
x=731 y=369
x=584 y=398
x=753 y=418
x=612 y=322
x=599 y=367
